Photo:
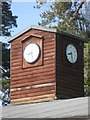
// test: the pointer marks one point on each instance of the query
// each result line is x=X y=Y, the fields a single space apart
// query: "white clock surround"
x=31 y=52
x=71 y=53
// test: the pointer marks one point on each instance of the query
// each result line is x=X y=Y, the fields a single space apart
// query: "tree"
x=64 y=15
x=87 y=65
x=6 y=60
x=8 y=19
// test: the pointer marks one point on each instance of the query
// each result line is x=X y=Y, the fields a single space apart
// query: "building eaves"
x=32 y=27
x=53 y=30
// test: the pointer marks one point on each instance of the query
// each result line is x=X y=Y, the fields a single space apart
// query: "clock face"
x=71 y=53
x=31 y=52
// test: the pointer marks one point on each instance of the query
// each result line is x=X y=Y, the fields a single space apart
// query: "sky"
x=27 y=15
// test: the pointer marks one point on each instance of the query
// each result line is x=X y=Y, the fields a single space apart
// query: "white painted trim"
x=34 y=86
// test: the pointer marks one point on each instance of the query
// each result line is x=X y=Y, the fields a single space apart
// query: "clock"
x=71 y=53
x=31 y=52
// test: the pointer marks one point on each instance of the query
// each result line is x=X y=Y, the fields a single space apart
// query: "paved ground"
x=56 y=109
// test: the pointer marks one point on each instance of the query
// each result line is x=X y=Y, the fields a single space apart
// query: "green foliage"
x=6 y=60
x=87 y=66
x=0 y=84
x=8 y=20
x=5 y=84
x=62 y=16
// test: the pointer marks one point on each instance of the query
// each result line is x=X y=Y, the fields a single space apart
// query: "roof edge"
x=53 y=30
x=74 y=36
x=37 y=27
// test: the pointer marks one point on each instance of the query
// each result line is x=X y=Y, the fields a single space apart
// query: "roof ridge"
x=37 y=27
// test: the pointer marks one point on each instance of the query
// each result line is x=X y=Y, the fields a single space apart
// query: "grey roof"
x=37 y=27
x=77 y=107
x=74 y=36
x=54 y=30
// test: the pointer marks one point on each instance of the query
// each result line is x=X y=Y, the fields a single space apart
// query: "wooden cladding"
x=34 y=99
x=33 y=83
x=52 y=75
x=32 y=39
x=69 y=77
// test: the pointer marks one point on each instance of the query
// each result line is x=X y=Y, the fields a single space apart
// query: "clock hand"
x=70 y=53
x=72 y=57
x=31 y=54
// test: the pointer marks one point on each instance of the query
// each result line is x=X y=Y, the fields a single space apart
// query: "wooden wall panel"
x=33 y=84
x=39 y=41
x=69 y=77
x=55 y=76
